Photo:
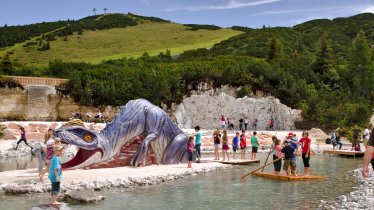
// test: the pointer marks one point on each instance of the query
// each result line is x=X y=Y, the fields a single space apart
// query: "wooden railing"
x=26 y=81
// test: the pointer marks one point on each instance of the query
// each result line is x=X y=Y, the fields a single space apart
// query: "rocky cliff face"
x=42 y=103
x=206 y=108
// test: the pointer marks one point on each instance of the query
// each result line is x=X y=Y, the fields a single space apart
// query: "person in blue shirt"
x=235 y=144
x=198 y=143
x=55 y=174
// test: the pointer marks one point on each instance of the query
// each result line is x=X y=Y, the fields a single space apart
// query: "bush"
x=1 y=131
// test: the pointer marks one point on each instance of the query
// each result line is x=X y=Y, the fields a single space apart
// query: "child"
x=277 y=154
x=225 y=146
x=254 y=141
x=217 y=142
x=243 y=145
x=49 y=143
x=55 y=174
x=189 y=151
x=289 y=158
x=198 y=143
x=235 y=142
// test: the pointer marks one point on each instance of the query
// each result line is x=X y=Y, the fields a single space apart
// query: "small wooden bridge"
x=38 y=81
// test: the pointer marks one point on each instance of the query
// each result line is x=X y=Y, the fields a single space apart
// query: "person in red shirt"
x=243 y=145
x=305 y=149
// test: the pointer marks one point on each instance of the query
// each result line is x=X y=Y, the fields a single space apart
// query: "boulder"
x=83 y=197
x=43 y=128
x=33 y=127
x=9 y=135
x=12 y=126
x=206 y=108
x=63 y=206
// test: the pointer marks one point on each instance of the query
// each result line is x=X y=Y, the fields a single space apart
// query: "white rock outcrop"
x=206 y=108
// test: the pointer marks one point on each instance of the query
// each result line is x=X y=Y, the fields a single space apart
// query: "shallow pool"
x=223 y=190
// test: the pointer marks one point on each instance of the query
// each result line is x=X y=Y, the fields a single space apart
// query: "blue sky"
x=225 y=13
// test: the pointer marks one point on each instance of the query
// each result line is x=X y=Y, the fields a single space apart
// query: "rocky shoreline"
x=361 y=198
x=131 y=177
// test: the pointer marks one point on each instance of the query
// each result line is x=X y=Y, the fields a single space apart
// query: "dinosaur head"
x=89 y=143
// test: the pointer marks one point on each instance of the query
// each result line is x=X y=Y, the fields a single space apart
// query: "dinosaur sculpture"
x=139 y=120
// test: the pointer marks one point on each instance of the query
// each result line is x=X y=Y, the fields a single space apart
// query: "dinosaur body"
x=137 y=118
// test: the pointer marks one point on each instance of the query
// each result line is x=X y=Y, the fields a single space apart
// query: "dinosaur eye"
x=87 y=137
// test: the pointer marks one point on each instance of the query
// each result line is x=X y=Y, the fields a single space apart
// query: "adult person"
x=198 y=135
x=49 y=143
x=305 y=150
x=23 y=137
x=271 y=123
x=365 y=135
x=368 y=156
x=241 y=123
x=254 y=125
x=333 y=139
x=245 y=123
x=338 y=140
x=223 y=123
x=243 y=145
x=356 y=135
x=39 y=151
x=277 y=153
x=217 y=143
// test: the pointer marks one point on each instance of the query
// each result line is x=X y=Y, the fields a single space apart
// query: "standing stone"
x=83 y=197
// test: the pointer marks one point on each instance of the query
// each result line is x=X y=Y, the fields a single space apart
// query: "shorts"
x=254 y=149
x=189 y=154
x=372 y=163
x=306 y=160
x=234 y=148
x=278 y=164
x=55 y=188
x=289 y=162
x=225 y=147
x=216 y=145
x=243 y=147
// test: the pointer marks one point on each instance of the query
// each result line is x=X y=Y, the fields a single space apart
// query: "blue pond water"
x=223 y=190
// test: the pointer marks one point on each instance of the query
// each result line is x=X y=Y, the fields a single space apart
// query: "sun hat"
x=290 y=134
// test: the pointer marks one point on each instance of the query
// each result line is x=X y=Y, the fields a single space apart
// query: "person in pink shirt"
x=189 y=151
x=305 y=149
x=277 y=154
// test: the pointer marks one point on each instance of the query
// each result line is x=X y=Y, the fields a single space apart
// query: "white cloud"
x=232 y=4
x=368 y=9
x=281 y=12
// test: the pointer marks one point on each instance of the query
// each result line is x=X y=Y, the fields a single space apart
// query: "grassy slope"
x=95 y=46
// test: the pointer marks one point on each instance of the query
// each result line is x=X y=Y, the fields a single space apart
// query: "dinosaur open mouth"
x=81 y=157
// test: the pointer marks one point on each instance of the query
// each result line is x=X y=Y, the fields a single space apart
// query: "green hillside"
x=323 y=67
x=131 y=40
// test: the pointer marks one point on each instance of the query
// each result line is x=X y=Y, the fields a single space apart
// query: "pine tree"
x=6 y=65
x=275 y=49
x=361 y=66
x=324 y=58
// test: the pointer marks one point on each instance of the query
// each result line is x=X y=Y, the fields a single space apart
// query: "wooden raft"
x=345 y=152
x=284 y=177
x=240 y=162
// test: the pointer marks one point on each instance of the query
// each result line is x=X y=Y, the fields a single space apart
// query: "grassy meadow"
x=95 y=46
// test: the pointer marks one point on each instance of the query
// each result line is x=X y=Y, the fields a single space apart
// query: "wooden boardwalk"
x=345 y=153
x=283 y=177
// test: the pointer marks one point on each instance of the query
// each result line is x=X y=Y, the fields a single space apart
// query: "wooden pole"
x=260 y=168
x=272 y=149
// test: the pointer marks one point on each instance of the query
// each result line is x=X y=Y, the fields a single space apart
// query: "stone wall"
x=35 y=130
x=42 y=103
x=206 y=108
